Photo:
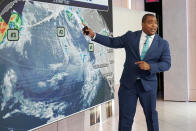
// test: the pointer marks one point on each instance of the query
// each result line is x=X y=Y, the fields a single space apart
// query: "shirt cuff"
x=94 y=37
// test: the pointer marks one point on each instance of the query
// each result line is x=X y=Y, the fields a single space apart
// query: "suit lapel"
x=135 y=45
x=152 y=47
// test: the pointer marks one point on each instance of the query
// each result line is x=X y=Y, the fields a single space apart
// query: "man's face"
x=149 y=26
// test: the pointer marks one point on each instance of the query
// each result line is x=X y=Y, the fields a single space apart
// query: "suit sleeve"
x=115 y=42
x=164 y=63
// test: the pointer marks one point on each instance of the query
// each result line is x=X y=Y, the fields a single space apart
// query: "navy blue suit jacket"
x=158 y=56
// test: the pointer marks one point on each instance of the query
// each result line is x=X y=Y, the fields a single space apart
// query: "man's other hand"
x=143 y=65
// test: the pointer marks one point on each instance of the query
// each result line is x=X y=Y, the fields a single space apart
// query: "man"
x=146 y=54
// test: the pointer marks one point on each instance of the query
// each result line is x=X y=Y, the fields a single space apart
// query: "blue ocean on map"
x=43 y=77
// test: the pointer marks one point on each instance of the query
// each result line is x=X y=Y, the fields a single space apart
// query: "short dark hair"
x=145 y=17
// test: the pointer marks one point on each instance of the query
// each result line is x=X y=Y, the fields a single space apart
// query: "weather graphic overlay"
x=50 y=71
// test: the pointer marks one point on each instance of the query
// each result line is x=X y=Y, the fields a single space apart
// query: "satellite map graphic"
x=45 y=77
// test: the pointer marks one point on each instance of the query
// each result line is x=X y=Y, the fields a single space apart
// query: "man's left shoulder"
x=161 y=40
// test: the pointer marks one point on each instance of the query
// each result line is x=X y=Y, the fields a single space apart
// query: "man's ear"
x=142 y=24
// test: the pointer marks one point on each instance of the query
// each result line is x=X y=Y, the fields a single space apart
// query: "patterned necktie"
x=145 y=47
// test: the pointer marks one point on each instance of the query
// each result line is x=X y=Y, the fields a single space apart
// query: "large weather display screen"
x=48 y=68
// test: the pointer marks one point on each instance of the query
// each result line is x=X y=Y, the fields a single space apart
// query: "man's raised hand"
x=88 y=31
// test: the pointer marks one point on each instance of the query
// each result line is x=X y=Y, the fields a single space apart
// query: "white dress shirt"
x=142 y=41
